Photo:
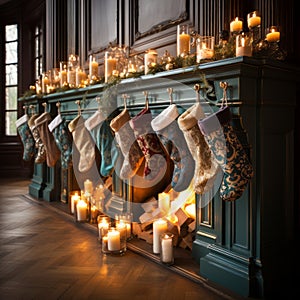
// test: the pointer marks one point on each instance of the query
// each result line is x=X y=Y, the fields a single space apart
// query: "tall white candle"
x=164 y=202
x=159 y=227
x=81 y=210
x=167 y=248
x=110 y=65
x=113 y=241
x=88 y=187
x=74 y=199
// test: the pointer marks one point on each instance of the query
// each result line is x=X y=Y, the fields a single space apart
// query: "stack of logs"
x=179 y=223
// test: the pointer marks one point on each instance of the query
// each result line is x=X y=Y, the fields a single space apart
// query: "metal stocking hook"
x=170 y=91
x=224 y=86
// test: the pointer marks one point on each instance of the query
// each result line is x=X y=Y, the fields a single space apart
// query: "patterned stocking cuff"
x=215 y=121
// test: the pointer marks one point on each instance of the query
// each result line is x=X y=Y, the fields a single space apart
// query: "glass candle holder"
x=236 y=25
x=71 y=75
x=183 y=40
x=126 y=218
x=82 y=211
x=243 y=45
x=74 y=199
x=45 y=82
x=150 y=59
x=253 y=19
x=273 y=34
x=205 y=48
x=160 y=226
x=167 y=248
x=80 y=77
x=93 y=69
x=122 y=228
x=110 y=64
x=63 y=73
x=55 y=78
x=104 y=245
x=114 y=241
x=103 y=226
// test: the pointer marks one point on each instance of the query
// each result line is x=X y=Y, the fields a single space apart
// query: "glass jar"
x=63 y=73
x=183 y=40
x=114 y=244
x=150 y=59
x=103 y=226
x=243 y=45
x=205 y=48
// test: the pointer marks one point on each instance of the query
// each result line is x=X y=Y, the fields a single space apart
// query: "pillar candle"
x=88 y=187
x=74 y=199
x=253 y=20
x=81 y=210
x=150 y=59
x=164 y=202
x=113 y=241
x=110 y=65
x=93 y=68
x=159 y=227
x=166 y=254
x=184 y=43
x=273 y=35
x=236 y=25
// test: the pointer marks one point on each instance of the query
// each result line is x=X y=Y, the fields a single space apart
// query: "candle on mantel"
x=160 y=226
x=183 y=40
x=243 y=45
x=81 y=210
x=110 y=65
x=93 y=68
x=113 y=241
x=273 y=34
x=236 y=25
x=150 y=59
x=253 y=19
x=74 y=199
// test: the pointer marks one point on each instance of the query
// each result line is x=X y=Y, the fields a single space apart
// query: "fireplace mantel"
x=244 y=245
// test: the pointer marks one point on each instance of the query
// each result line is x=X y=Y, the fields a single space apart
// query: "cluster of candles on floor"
x=113 y=234
x=87 y=204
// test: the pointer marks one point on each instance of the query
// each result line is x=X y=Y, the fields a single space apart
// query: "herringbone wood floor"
x=44 y=255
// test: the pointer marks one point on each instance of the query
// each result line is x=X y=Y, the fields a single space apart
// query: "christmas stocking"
x=52 y=152
x=167 y=129
x=149 y=143
x=41 y=150
x=83 y=142
x=104 y=138
x=63 y=140
x=26 y=137
x=228 y=152
x=206 y=166
x=133 y=156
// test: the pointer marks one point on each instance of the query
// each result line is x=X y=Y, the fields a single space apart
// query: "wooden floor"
x=46 y=255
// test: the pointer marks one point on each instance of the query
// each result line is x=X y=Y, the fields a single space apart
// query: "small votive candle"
x=243 y=45
x=273 y=34
x=103 y=227
x=205 y=47
x=183 y=40
x=167 y=248
x=236 y=25
x=253 y=19
x=160 y=226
